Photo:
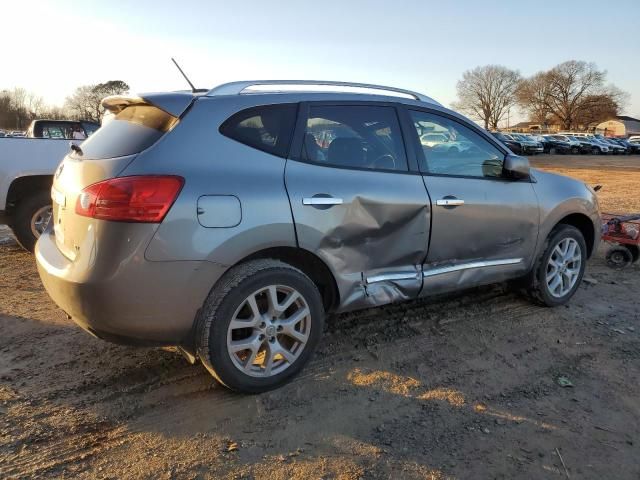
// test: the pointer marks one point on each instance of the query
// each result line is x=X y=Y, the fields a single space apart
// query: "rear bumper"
x=127 y=299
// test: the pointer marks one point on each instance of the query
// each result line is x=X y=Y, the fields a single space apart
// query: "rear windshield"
x=130 y=131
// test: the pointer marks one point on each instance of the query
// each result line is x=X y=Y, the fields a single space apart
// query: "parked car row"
x=568 y=143
x=14 y=133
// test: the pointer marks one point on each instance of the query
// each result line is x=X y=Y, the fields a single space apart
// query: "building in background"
x=620 y=126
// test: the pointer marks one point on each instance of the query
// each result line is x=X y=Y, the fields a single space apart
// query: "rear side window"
x=353 y=136
x=129 y=132
x=268 y=128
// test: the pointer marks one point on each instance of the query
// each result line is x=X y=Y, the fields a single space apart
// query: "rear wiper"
x=75 y=148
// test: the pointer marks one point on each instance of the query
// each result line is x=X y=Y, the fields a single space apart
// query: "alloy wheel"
x=563 y=267
x=269 y=331
x=40 y=220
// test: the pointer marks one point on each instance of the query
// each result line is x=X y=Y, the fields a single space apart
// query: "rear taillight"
x=130 y=199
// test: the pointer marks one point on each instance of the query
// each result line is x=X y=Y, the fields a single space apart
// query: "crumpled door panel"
x=378 y=231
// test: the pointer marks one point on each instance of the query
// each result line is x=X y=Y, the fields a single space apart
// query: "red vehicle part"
x=623 y=233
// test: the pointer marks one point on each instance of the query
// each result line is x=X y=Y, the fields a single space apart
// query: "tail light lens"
x=130 y=199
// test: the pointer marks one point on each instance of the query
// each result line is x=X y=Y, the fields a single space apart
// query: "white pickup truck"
x=27 y=166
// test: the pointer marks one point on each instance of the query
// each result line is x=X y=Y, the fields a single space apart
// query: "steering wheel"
x=385 y=161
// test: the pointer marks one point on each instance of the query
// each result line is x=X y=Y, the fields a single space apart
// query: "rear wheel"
x=559 y=270
x=260 y=325
x=31 y=217
x=595 y=151
x=575 y=150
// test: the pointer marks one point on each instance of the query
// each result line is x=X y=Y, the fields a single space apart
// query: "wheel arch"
x=583 y=223
x=309 y=263
x=23 y=186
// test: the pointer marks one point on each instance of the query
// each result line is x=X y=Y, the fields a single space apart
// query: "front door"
x=355 y=204
x=484 y=226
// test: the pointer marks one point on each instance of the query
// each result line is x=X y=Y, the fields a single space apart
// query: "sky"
x=51 y=47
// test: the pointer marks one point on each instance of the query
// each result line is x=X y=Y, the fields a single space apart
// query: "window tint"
x=89 y=128
x=450 y=148
x=130 y=131
x=354 y=136
x=54 y=131
x=268 y=128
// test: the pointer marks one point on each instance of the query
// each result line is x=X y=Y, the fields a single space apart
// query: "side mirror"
x=516 y=166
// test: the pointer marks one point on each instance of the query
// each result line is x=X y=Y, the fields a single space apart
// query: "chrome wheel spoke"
x=296 y=318
x=290 y=331
x=253 y=305
x=40 y=220
x=259 y=341
x=272 y=297
x=563 y=267
x=292 y=297
x=252 y=358
x=278 y=349
x=251 y=343
x=555 y=283
x=571 y=251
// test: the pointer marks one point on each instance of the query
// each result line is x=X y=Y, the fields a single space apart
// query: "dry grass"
x=620 y=191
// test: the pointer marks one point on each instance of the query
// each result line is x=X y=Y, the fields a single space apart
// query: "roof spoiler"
x=174 y=103
x=116 y=103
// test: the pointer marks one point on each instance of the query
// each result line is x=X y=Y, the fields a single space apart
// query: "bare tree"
x=567 y=92
x=532 y=95
x=487 y=93
x=18 y=107
x=85 y=103
x=598 y=108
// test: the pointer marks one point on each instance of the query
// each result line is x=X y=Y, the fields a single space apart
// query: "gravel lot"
x=456 y=387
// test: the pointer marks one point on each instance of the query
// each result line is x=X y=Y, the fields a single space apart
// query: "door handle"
x=321 y=201
x=449 y=202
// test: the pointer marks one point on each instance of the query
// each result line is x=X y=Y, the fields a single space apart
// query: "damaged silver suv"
x=229 y=222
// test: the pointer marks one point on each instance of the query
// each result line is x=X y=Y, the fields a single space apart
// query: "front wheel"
x=559 y=270
x=260 y=325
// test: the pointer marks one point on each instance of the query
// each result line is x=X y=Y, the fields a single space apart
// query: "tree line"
x=573 y=94
x=19 y=107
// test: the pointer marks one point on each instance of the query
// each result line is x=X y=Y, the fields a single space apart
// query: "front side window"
x=354 y=136
x=450 y=148
x=268 y=128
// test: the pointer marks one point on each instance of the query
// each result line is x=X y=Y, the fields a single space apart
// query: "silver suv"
x=229 y=222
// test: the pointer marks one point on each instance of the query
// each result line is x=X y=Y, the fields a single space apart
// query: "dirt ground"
x=455 y=387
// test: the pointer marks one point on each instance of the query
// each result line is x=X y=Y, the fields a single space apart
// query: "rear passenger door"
x=355 y=203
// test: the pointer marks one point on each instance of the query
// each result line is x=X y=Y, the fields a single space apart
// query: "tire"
x=26 y=213
x=552 y=151
x=537 y=286
x=229 y=300
x=635 y=252
x=575 y=150
x=619 y=257
x=595 y=151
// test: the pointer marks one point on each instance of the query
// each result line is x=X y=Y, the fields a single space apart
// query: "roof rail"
x=237 y=88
